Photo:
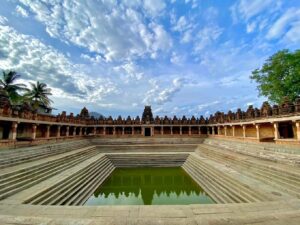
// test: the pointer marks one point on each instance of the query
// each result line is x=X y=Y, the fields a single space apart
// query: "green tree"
x=279 y=77
x=38 y=95
x=12 y=89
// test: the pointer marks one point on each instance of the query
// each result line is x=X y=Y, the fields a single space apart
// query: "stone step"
x=238 y=191
x=6 y=177
x=62 y=185
x=89 y=188
x=206 y=184
x=15 y=158
x=40 y=176
x=260 y=150
x=283 y=180
x=70 y=190
x=59 y=195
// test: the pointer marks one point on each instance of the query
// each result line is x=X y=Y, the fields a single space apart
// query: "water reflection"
x=149 y=186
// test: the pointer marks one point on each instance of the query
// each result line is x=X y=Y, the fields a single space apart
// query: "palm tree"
x=38 y=95
x=7 y=83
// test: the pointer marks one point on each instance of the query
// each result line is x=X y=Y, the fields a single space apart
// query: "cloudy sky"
x=184 y=57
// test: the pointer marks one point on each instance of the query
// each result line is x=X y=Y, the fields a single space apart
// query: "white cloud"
x=21 y=11
x=154 y=7
x=251 y=27
x=181 y=25
x=207 y=36
x=247 y=9
x=131 y=72
x=158 y=95
x=116 y=31
x=176 y=59
x=3 y=20
x=37 y=61
x=286 y=25
x=95 y=59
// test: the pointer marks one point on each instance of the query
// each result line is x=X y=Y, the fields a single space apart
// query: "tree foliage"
x=38 y=95
x=19 y=94
x=279 y=77
x=12 y=89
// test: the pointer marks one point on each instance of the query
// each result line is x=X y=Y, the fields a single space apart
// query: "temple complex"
x=239 y=167
x=20 y=126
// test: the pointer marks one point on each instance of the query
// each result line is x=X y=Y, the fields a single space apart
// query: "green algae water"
x=149 y=186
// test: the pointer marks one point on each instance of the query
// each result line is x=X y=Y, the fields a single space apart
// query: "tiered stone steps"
x=17 y=156
x=268 y=151
x=148 y=159
x=283 y=177
x=221 y=187
x=146 y=148
x=77 y=188
x=155 y=140
x=23 y=178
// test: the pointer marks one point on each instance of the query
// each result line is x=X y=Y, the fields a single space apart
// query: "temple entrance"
x=286 y=130
x=147 y=132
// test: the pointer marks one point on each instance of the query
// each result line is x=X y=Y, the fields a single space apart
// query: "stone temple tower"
x=147 y=116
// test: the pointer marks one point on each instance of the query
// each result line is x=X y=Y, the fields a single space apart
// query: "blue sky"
x=184 y=57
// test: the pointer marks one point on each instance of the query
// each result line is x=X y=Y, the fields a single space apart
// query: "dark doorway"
x=5 y=129
x=286 y=130
x=147 y=132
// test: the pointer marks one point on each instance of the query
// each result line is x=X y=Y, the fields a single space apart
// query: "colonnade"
x=260 y=131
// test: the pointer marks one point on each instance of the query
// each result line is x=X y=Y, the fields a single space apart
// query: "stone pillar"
x=257 y=131
x=219 y=130
x=74 y=131
x=162 y=130
x=84 y=131
x=276 y=132
x=13 y=135
x=213 y=130
x=190 y=130
x=114 y=130
x=244 y=131
x=104 y=130
x=143 y=131
x=132 y=130
x=95 y=131
x=225 y=130
x=180 y=131
x=47 y=135
x=208 y=132
x=171 y=129
x=233 y=130
x=67 y=131
x=298 y=130
x=152 y=131
x=33 y=134
x=58 y=132
x=123 y=130
x=199 y=130
x=80 y=131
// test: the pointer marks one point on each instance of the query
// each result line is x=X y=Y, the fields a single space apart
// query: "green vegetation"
x=19 y=94
x=149 y=186
x=11 y=88
x=38 y=95
x=279 y=77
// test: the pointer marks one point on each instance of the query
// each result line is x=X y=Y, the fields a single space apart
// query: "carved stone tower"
x=147 y=116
